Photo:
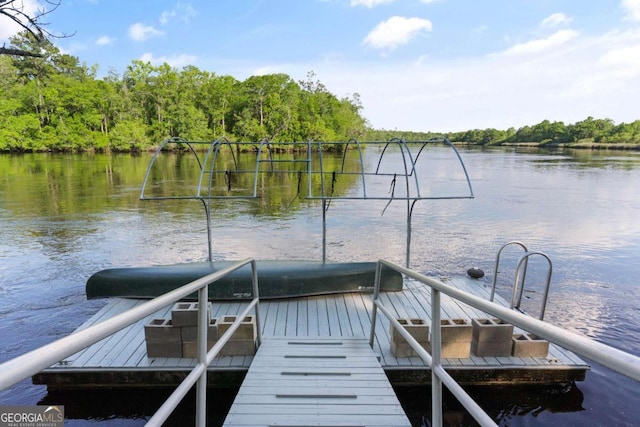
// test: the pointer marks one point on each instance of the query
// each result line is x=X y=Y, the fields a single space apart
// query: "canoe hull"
x=276 y=279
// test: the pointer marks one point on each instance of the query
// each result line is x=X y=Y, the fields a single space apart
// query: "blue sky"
x=424 y=65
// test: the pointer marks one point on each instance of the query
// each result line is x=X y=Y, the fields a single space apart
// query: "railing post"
x=203 y=329
x=436 y=382
x=374 y=309
x=256 y=296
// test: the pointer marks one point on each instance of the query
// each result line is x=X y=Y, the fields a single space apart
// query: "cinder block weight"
x=403 y=349
x=491 y=349
x=190 y=333
x=164 y=349
x=491 y=330
x=455 y=330
x=161 y=330
x=455 y=349
x=246 y=330
x=186 y=313
x=491 y=337
x=190 y=349
x=238 y=348
x=529 y=345
x=417 y=328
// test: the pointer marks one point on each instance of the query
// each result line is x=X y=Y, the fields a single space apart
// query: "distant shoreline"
x=576 y=145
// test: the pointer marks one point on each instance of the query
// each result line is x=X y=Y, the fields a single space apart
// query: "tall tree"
x=31 y=21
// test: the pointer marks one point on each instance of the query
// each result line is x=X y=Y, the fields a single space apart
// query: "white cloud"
x=586 y=76
x=8 y=27
x=632 y=8
x=555 y=20
x=396 y=31
x=538 y=45
x=104 y=40
x=182 y=11
x=369 y=3
x=623 y=58
x=140 y=32
x=178 y=61
x=166 y=16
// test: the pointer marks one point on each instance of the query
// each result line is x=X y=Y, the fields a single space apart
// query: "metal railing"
x=31 y=363
x=617 y=360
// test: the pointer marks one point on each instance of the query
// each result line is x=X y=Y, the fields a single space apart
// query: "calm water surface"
x=63 y=217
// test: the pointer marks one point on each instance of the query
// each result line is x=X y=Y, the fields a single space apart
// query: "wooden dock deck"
x=121 y=360
x=316 y=381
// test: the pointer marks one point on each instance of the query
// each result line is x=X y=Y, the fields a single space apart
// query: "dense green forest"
x=57 y=103
x=588 y=133
x=53 y=102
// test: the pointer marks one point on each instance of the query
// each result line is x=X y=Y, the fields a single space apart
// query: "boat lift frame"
x=409 y=150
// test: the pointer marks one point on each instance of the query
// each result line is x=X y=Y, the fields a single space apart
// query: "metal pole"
x=436 y=382
x=324 y=230
x=256 y=296
x=374 y=310
x=203 y=329
x=207 y=211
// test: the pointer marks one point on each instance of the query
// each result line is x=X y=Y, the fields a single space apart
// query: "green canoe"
x=276 y=279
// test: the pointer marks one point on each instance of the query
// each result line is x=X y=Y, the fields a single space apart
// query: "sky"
x=419 y=65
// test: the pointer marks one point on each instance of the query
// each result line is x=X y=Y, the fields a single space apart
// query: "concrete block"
x=238 y=348
x=493 y=349
x=190 y=349
x=491 y=330
x=164 y=349
x=455 y=349
x=417 y=328
x=246 y=330
x=403 y=349
x=161 y=330
x=529 y=345
x=186 y=313
x=452 y=349
x=190 y=333
x=455 y=330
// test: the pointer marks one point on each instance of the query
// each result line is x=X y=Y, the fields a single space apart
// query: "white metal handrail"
x=617 y=360
x=31 y=363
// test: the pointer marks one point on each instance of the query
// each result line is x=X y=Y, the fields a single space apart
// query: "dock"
x=121 y=360
x=316 y=381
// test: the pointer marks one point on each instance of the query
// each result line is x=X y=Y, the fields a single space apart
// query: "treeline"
x=56 y=103
x=52 y=102
x=584 y=133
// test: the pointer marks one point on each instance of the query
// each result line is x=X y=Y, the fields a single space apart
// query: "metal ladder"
x=519 y=283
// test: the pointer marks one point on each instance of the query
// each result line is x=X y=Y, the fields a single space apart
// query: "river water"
x=63 y=217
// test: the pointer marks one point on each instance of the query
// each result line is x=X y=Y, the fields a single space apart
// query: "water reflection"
x=130 y=407
x=65 y=217
x=506 y=405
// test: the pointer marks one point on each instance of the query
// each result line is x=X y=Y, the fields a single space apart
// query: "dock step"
x=316 y=382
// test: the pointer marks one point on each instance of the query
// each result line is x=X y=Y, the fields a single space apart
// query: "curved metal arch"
x=211 y=156
x=362 y=174
x=464 y=168
x=163 y=144
x=264 y=142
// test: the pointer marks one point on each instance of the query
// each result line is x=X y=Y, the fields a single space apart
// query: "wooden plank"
x=346 y=420
x=331 y=380
x=302 y=308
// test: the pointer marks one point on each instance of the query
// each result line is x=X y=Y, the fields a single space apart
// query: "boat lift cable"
x=334 y=179
x=298 y=191
x=392 y=190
